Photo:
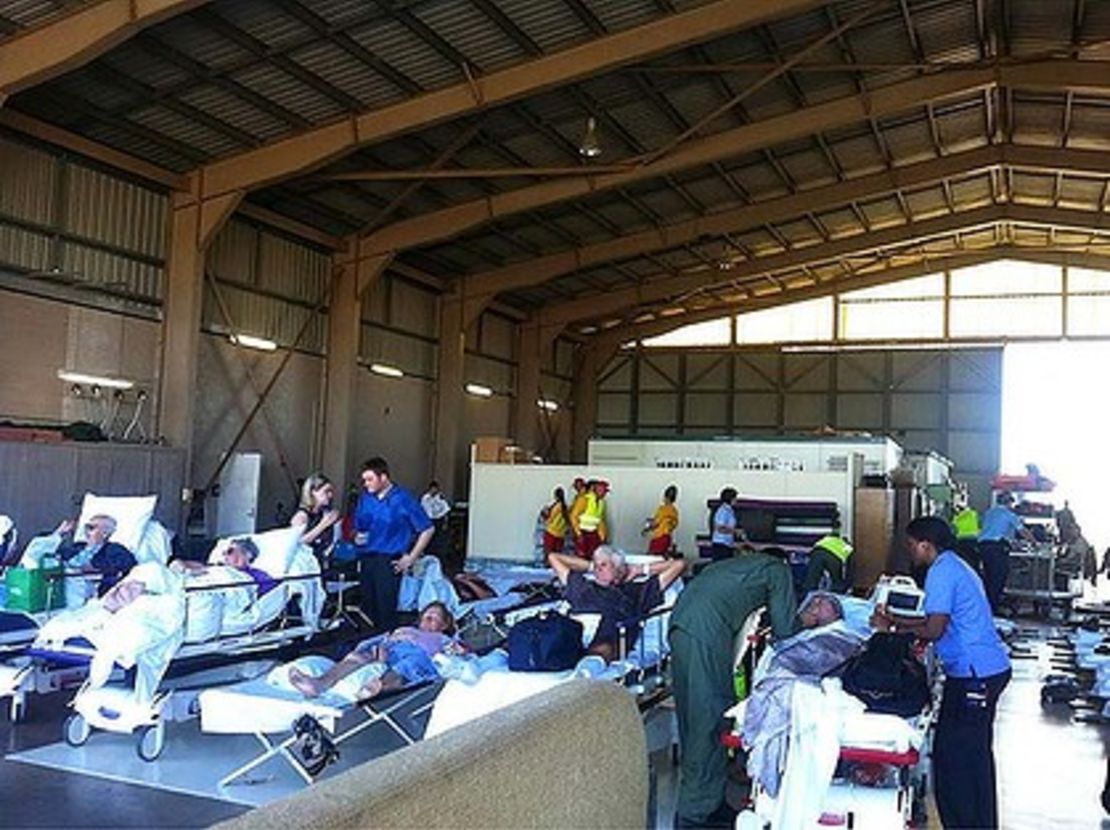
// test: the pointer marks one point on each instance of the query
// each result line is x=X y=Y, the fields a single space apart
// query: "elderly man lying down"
x=614 y=593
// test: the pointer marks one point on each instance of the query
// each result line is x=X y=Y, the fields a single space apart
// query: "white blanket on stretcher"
x=144 y=634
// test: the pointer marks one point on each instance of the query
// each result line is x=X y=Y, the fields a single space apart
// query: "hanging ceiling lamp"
x=590 y=147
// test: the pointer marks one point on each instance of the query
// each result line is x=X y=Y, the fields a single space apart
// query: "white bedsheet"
x=461 y=703
x=257 y=706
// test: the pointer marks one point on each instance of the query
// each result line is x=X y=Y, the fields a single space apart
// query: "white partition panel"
x=506 y=498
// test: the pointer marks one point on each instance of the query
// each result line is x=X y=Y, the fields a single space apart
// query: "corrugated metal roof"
x=200 y=44
x=27 y=13
x=151 y=69
x=288 y=92
x=264 y=21
x=472 y=33
x=550 y=23
x=402 y=49
x=342 y=70
x=186 y=131
x=234 y=111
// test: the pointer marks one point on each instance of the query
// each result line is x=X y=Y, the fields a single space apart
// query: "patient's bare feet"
x=371 y=688
x=304 y=683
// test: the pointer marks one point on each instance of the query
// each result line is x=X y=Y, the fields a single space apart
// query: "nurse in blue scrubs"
x=976 y=670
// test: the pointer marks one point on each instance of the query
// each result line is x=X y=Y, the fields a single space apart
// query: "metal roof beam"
x=785 y=296
x=666 y=287
x=662 y=289
x=735 y=220
x=305 y=151
x=729 y=143
x=438 y=225
x=38 y=54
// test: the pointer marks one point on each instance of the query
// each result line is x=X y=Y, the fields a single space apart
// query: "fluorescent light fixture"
x=388 y=371
x=95 y=380
x=479 y=390
x=550 y=406
x=252 y=342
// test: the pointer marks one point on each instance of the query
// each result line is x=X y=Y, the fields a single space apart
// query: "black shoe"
x=723 y=817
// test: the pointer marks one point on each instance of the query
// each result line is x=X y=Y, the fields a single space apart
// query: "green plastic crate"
x=34 y=590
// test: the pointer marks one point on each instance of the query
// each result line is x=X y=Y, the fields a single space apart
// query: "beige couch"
x=574 y=757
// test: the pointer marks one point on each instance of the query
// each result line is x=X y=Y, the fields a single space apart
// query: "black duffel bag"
x=887 y=677
x=549 y=642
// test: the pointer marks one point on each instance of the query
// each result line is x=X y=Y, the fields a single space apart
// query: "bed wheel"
x=152 y=740
x=76 y=730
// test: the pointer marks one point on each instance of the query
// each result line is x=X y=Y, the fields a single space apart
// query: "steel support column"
x=352 y=278
x=192 y=226
x=449 y=393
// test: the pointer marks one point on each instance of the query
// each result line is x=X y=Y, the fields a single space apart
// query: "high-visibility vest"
x=836 y=546
x=576 y=509
x=594 y=514
x=966 y=523
x=556 y=523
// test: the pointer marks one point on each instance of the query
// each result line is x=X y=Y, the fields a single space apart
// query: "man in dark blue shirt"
x=391 y=532
x=97 y=554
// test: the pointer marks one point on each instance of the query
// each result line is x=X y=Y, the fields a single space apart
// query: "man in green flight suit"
x=708 y=615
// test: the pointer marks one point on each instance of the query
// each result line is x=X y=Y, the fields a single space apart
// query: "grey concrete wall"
x=284 y=431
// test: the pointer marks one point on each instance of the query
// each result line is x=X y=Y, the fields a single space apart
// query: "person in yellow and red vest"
x=591 y=524
x=576 y=507
x=555 y=523
x=663 y=524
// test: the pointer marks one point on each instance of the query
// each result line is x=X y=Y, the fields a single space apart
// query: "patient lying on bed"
x=614 y=593
x=240 y=554
x=404 y=656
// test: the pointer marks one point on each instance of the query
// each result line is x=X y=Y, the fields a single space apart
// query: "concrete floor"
x=1051 y=773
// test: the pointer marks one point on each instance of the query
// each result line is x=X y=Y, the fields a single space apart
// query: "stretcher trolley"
x=880 y=777
x=1033 y=578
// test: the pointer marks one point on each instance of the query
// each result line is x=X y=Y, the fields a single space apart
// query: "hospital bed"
x=221 y=622
x=880 y=763
x=147 y=538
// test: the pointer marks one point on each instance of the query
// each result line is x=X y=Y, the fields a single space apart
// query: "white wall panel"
x=504 y=500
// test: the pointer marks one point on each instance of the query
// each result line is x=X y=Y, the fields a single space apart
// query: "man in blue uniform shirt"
x=391 y=532
x=1000 y=526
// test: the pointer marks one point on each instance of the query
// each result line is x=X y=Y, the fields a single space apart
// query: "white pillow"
x=130 y=512
x=276 y=549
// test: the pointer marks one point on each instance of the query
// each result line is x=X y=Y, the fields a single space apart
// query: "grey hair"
x=247 y=545
x=107 y=521
x=613 y=555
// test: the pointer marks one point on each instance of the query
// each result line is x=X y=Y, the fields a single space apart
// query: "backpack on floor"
x=887 y=677
x=549 y=642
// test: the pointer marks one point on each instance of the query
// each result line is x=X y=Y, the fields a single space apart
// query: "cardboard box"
x=487 y=449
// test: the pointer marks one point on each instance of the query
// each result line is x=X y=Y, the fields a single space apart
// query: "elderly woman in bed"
x=240 y=554
x=405 y=656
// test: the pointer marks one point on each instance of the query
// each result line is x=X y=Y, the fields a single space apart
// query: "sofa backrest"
x=575 y=756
